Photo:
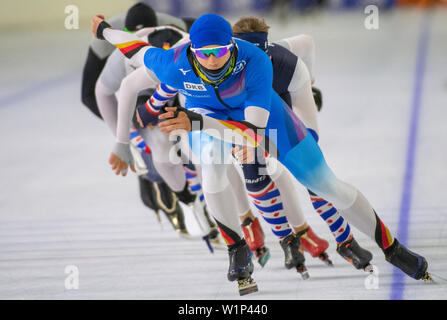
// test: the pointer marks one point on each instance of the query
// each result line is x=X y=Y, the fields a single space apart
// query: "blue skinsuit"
x=250 y=84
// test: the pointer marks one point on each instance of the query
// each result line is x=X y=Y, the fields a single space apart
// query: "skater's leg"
x=251 y=227
x=193 y=180
x=266 y=198
x=200 y=210
x=239 y=190
x=215 y=159
x=162 y=149
x=328 y=212
x=337 y=224
x=308 y=165
x=284 y=182
x=354 y=206
x=221 y=201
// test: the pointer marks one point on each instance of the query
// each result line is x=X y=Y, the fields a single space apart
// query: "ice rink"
x=383 y=129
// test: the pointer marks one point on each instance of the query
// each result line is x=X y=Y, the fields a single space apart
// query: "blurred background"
x=382 y=129
x=47 y=13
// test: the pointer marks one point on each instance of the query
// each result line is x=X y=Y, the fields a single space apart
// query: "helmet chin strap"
x=216 y=77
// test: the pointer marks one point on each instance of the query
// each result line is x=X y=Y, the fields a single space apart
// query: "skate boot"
x=318 y=98
x=177 y=220
x=169 y=204
x=314 y=245
x=293 y=254
x=208 y=230
x=409 y=262
x=186 y=196
x=212 y=238
x=254 y=236
x=213 y=235
x=241 y=267
x=209 y=219
x=147 y=196
x=351 y=251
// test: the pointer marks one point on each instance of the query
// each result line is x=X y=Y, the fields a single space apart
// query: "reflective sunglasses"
x=217 y=52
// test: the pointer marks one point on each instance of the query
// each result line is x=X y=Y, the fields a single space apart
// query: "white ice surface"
x=61 y=205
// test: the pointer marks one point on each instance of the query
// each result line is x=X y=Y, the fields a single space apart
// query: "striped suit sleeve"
x=239 y=132
x=161 y=96
x=130 y=45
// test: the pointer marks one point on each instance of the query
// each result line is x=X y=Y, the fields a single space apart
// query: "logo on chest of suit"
x=239 y=66
x=194 y=86
x=189 y=94
x=184 y=71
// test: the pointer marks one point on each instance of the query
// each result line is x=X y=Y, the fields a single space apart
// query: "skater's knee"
x=214 y=178
x=340 y=193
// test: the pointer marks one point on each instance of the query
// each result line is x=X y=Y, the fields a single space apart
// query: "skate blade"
x=208 y=244
x=218 y=245
x=302 y=270
x=184 y=234
x=263 y=260
x=428 y=278
x=247 y=286
x=325 y=258
x=305 y=275
x=159 y=219
x=369 y=268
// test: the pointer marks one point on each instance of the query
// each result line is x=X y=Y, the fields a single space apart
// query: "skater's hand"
x=139 y=120
x=96 y=20
x=244 y=154
x=120 y=158
x=150 y=125
x=175 y=124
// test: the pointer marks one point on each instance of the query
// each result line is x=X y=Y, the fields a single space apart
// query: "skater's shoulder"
x=282 y=56
x=163 y=61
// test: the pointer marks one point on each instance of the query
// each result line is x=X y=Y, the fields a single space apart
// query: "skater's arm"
x=121 y=156
x=129 y=44
x=259 y=79
x=107 y=85
x=131 y=85
x=303 y=46
x=178 y=120
x=92 y=70
x=107 y=104
x=152 y=108
x=303 y=103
